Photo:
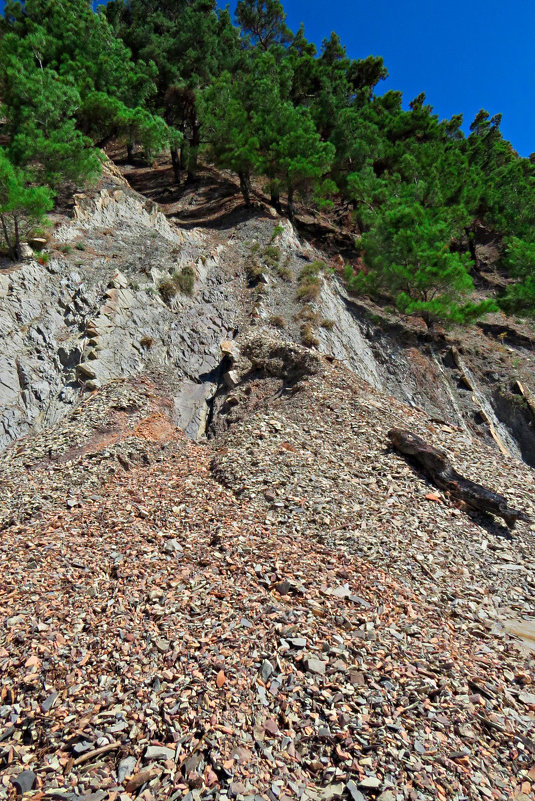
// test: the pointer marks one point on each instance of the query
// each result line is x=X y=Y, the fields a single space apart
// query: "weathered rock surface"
x=94 y=314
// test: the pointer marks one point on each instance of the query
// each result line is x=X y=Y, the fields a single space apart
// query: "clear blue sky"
x=464 y=54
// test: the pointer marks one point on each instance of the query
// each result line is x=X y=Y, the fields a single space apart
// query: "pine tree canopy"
x=253 y=97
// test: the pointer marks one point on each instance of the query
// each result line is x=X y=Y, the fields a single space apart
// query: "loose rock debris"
x=169 y=637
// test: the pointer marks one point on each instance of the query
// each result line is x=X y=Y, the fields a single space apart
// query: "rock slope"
x=284 y=608
x=95 y=312
x=324 y=626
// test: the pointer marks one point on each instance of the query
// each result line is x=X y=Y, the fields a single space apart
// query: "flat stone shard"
x=231 y=379
x=159 y=752
x=316 y=666
x=25 y=781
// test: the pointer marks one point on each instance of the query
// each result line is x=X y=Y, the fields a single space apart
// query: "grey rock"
x=266 y=670
x=231 y=379
x=157 y=752
x=354 y=792
x=126 y=768
x=316 y=666
x=370 y=783
x=172 y=546
x=82 y=747
x=162 y=644
x=262 y=695
x=48 y=703
x=333 y=791
x=298 y=642
x=25 y=781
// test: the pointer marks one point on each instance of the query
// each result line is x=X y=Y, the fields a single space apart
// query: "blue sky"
x=464 y=54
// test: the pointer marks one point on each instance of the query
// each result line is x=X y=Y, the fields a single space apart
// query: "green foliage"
x=409 y=255
x=263 y=22
x=252 y=128
x=180 y=281
x=260 y=101
x=66 y=83
x=22 y=206
x=186 y=280
x=271 y=256
x=520 y=262
x=309 y=287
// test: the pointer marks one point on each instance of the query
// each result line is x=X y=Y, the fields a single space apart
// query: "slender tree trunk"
x=175 y=159
x=291 y=210
x=10 y=247
x=16 y=244
x=275 y=198
x=129 y=151
x=194 y=151
x=245 y=186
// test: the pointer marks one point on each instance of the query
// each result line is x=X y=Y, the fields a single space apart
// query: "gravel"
x=394 y=600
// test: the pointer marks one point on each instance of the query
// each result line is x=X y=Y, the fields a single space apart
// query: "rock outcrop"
x=94 y=313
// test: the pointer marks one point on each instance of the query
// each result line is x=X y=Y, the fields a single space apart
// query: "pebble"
x=370 y=783
x=159 y=752
x=316 y=666
x=25 y=781
x=172 y=546
x=354 y=792
x=266 y=670
x=125 y=768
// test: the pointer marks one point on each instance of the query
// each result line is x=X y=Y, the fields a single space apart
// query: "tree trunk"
x=16 y=243
x=194 y=151
x=11 y=248
x=291 y=210
x=175 y=159
x=437 y=467
x=182 y=154
x=245 y=186
x=129 y=151
x=275 y=198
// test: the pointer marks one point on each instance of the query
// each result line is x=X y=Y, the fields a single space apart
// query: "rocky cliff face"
x=94 y=314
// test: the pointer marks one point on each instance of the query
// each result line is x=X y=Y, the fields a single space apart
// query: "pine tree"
x=263 y=22
x=22 y=206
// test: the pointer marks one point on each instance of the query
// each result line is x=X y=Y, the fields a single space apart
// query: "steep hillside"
x=218 y=580
x=105 y=307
